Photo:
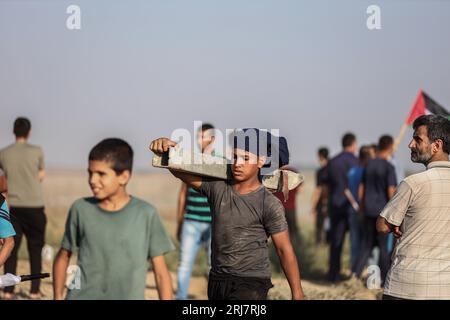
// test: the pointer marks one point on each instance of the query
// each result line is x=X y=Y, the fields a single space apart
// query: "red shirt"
x=290 y=203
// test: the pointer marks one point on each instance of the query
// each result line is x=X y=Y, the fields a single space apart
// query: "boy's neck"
x=115 y=202
x=21 y=140
x=247 y=186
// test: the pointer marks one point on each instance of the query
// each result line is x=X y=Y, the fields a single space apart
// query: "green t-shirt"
x=113 y=248
x=21 y=163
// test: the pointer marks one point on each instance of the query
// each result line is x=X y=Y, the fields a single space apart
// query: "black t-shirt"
x=378 y=176
x=338 y=168
x=321 y=176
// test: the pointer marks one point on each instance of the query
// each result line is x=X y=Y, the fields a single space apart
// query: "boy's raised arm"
x=162 y=145
x=59 y=273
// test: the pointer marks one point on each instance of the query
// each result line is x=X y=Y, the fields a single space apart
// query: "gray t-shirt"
x=241 y=226
x=113 y=248
x=21 y=163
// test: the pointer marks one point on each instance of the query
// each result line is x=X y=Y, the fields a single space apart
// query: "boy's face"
x=104 y=181
x=245 y=165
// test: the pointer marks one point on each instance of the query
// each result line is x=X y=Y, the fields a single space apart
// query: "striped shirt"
x=197 y=207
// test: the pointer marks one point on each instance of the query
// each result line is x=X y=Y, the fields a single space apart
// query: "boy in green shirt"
x=114 y=233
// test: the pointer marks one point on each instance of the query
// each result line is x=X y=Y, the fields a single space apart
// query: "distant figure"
x=373 y=148
x=193 y=220
x=340 y=207
x=419 y=215
x=23 y=165
x=320 y=198
x=355 y=177
x=290 y=208
x=114 y=234
x=400 y=175
x=376 y=189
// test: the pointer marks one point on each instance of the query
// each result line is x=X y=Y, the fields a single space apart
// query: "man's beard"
x=421 y=157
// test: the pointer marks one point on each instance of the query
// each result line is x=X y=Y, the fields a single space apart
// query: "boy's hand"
x=161 y=145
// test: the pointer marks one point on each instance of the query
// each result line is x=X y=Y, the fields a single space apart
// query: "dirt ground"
x=347 y=290
x=62 y=187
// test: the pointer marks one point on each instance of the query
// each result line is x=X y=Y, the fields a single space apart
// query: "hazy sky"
x=140 y=69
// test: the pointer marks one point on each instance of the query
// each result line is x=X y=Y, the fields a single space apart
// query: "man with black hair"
x=355 y=177
x=419 y=215
x=23 y=165
x=340 y=207
x=376 y=189
x=244 y=215
x=320 y=198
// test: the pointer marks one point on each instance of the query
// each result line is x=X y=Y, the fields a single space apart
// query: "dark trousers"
x=371 y=239
x=291 y=219
x=31 y=223
x=339 y=225
x=321 y=214
x=228 y=287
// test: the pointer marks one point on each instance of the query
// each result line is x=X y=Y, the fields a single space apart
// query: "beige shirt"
x=420 y=266
x=21 y=163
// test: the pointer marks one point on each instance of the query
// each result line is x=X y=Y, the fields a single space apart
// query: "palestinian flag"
x=425 y=105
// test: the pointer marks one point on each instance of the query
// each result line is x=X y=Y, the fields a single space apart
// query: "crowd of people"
x=351 y=191
x=116 y=235
x=406 y=219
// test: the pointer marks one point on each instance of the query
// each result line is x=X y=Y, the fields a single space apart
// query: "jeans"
x=193 y=235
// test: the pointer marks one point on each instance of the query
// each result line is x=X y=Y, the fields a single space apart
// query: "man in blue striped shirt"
x=193 y=220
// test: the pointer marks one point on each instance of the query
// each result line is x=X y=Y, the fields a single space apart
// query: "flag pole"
x=400 y=136
x=407 y=121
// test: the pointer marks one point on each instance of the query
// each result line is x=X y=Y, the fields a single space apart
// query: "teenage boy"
x=193 y=220
x=244 y=214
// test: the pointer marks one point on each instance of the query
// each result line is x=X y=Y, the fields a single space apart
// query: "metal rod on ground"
x=29 y=277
